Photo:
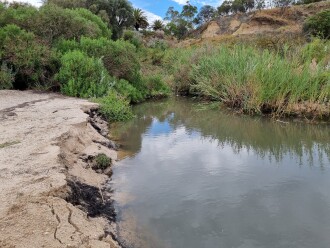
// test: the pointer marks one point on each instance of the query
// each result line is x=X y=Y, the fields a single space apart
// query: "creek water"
x=192 y=175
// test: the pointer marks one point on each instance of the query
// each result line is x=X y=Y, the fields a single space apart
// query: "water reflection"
x=199 y=177
x=265 y=137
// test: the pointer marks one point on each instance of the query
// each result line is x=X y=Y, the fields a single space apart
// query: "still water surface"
x=197 y=177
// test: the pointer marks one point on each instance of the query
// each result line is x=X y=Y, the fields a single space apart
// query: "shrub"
x=23 y=16
x=54 y=22
x=318 y=25
x=6 y=77
x=82 y=76
x=28 y=58
x=127 y=90
x=102 y=161
x=156 y=86
x=119 y=57
x=317 y=50
x=115 y=107
x=133 y=38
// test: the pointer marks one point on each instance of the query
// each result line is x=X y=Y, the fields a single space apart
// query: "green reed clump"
x=253 y=80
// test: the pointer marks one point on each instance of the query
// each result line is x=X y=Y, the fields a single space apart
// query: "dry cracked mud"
x=43 y=138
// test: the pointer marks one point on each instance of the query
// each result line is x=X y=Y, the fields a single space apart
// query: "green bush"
x=133 y=38
x=127 y=90
x=318 y=25
x=115 y=107
x=23 y=16
x=7 y=77
x=156 y=86
x=102 y=161
x=317 y=50
x=28 y=58
x=119 y=57
x=82 y=76
x=52 y=22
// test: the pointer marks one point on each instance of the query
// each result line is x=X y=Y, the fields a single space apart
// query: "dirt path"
x=43 y=138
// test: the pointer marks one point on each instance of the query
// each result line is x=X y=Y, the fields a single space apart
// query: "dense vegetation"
x=256 y=80
x=68 y=48
x=82 y=49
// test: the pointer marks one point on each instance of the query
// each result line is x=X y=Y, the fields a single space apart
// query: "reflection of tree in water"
x=260 y=135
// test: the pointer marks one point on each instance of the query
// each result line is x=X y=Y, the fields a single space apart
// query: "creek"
x=192 y=175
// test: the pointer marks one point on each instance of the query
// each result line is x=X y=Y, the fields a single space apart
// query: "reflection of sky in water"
x=157 y=127
x=193 y=191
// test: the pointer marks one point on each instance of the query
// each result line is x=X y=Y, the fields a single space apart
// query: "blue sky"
x=155 y=9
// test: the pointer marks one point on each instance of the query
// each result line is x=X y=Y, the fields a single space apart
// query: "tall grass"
x=258 y=81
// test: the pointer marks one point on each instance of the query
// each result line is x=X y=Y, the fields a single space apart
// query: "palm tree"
x=158 y=25
x=141 y=20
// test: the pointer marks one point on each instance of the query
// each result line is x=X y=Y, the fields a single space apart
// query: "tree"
x=140 y=19
x=180 y=23
x=117 y=13
x=158 y=25
x=283 y=4
x=206 y=13
x=259 y=4
x=188 y=12
x=72 y=4
x=242 y=5
x=224 y=8
x=120 y=13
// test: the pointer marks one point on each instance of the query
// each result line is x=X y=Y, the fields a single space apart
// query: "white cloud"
x=182 y=2
x=151 y=16
x=37 y=3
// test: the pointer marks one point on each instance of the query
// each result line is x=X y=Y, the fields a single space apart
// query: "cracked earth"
x=42 y=137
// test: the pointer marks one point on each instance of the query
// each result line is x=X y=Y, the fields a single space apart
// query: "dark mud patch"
x=94 y=201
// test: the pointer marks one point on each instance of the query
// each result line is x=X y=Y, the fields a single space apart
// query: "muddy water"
x=198 y=177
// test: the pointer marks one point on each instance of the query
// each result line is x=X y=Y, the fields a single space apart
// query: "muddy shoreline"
x=52 y=194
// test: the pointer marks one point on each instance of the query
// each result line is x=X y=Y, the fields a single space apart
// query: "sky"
x=154 y=9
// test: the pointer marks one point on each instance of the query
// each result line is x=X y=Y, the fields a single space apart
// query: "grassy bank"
x=293 y=82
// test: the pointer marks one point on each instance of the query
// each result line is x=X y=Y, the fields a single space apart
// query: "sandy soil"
x=42 y=140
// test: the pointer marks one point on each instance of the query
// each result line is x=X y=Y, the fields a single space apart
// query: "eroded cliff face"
x=277 y=21
x=47 y=142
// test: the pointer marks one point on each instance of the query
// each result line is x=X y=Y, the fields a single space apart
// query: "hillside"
x=266 y=22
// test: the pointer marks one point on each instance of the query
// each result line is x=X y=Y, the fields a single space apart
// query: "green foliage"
x=127 y=90
x=236 y=6
x=119 y=57
x=115 y=107
x=82 y=76
x=52 y=22
x=158 y=25
x=117 y=13
x=88 y=15
x=102 y=161
x=133 y=38
x=156 y=86
x=205 y=14
x=21 y=52
x=317 y=50
x=72 y=4
x=140 y=19
x=252 y=80
x=7 y=77
x=180 y=23
x=318 y=25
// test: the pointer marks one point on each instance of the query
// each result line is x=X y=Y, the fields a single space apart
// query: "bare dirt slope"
x=272 y=22
x=42 y=138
